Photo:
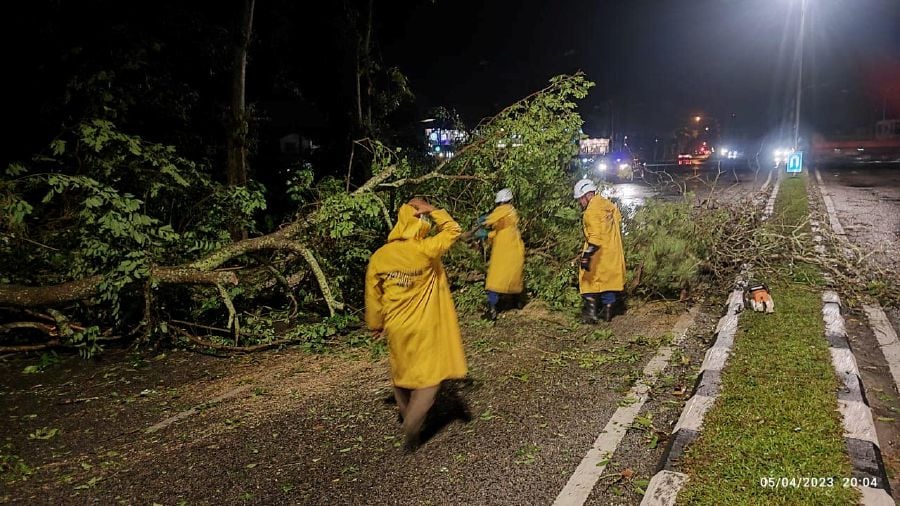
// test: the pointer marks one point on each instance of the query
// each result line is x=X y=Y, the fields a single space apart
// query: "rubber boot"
x=607 y=312
x=490 y=313
x=589 y=310
x=520 y=301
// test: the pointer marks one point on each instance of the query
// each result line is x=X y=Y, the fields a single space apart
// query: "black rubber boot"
x=520 y=301
x=490 y=313
x=589 y=310
x=607 y=312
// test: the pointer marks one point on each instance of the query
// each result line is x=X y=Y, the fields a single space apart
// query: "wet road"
x=723 y=183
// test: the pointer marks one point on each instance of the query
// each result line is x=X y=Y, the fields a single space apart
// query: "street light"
x=697 y=119
x=799 y=95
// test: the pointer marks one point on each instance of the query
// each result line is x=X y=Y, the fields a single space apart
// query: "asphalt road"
x=867 y=201
x=732 y=183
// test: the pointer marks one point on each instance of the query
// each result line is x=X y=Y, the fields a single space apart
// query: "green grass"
x=777 y=415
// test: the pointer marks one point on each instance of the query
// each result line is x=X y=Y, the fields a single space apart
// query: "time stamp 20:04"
x=812 y=482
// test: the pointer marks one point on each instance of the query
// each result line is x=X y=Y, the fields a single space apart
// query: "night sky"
x=659 y=61
x=656 y=62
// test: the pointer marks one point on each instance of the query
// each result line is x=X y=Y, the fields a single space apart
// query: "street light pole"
x=799 y=95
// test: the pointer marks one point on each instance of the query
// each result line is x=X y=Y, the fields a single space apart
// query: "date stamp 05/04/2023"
x=816 y=482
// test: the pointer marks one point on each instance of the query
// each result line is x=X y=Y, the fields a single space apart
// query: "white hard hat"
x=582 y=187
x=504 y=195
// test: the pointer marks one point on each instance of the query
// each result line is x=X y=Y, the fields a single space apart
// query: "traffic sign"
x=795 y=162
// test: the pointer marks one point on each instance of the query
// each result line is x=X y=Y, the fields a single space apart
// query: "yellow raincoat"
x=507 y=251
x=603 y=227
x=408 y=295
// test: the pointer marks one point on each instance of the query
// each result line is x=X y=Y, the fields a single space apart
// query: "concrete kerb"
x=859 y=428
x=667 y=482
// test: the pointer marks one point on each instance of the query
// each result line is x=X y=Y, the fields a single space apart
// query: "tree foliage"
x=135 y=236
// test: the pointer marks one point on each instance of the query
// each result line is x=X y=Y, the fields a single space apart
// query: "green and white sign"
x=795 y=162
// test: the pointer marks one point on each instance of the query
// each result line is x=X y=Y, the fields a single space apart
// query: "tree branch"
x=431 y=175
x=43 y=327
x=31 y=296
x=233 y=323
x=29 y=347
x=224 y=347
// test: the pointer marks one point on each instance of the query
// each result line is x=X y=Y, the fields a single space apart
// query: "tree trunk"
x=367 y=52
x=33 y=296
x=236 y=169
x=364 y=84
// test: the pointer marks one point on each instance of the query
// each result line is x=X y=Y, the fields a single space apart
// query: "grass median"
x=774 y=435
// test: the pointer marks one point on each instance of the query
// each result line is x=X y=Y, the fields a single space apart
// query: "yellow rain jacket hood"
x=602 y=223
x=507 y=251
x=409 y=226
x=408 y=295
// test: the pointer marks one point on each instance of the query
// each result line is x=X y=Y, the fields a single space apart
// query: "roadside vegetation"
x=113 y=237
x=777 y=415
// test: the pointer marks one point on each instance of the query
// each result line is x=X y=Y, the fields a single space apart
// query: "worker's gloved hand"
x=482 y=219
x=586 y=256
x=481 y=234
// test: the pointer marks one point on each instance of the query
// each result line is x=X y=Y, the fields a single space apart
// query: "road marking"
x=582 y=481
x=829 y=206
x=184 y=414
x=770 y=204
x=765 y=185
x=887 y=339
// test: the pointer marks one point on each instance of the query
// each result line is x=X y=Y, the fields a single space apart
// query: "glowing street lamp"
x=799 y=74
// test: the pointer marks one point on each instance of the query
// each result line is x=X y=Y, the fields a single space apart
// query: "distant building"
x=443 y=143
x=442 y=139
x=591 y=147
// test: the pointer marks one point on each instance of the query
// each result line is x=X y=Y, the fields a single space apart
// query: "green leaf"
x=15 y=169
x=58 y=147
x=44 y=433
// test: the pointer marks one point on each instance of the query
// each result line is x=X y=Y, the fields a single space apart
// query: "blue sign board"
x=795 y=162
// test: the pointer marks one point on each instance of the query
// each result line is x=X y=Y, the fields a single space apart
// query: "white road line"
x=887 y=339
x=770 y=205
x=582 y=481
x=184 y=414
x=829 y=206
x=765 y=185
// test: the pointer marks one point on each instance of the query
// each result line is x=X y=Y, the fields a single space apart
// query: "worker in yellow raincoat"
x=408 y=299
x=602 y=272
x=504 y=275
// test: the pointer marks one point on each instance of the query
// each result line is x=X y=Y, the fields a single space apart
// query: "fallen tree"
x=127 y=248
